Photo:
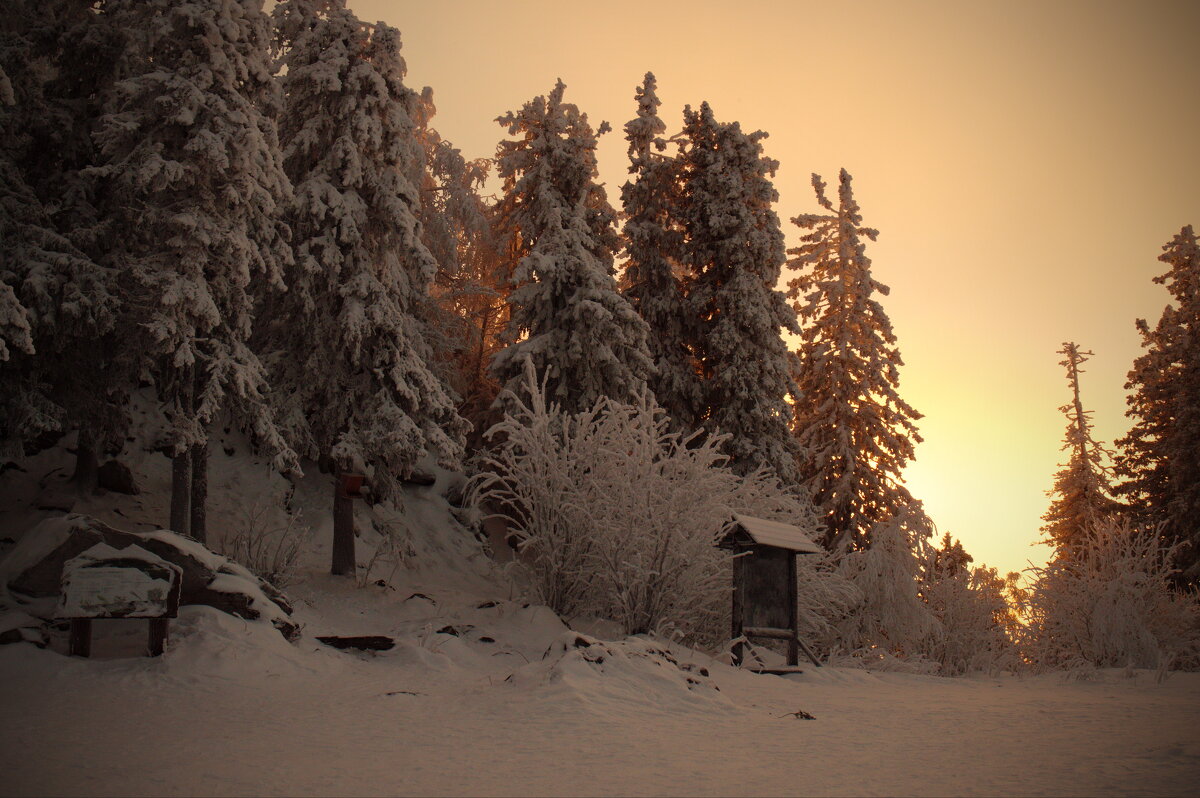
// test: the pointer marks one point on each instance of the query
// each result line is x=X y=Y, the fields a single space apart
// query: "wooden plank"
x=764 y=631
x=808 y=651
x=780 y=671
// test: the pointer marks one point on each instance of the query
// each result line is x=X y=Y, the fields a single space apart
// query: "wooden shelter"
x=764 y=585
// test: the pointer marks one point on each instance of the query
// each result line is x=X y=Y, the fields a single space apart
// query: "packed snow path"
x=232 y=709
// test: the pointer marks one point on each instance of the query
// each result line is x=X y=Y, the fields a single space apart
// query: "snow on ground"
x=232 y=709
x=487 y=695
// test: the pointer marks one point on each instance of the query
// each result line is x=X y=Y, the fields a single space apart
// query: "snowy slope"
x=484 y=694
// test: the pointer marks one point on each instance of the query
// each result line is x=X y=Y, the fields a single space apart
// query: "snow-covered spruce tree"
x=190 y=162
x=565 y=312
x=1082 y=495
x=734 y=252
x=23 y=222
x=348 y=352
x=57 y=57
x=854 y=431
x=465 y=312
x=1111 y=605
x=652 y=278
x=1160 y=457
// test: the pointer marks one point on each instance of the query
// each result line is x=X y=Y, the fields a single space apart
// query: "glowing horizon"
x=1021 y=162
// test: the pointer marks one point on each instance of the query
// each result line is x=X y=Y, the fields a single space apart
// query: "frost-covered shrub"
x=906 y=605
x=393 y=549
x=266 y=540
x=617 y=516
x=974 y=619
x=1111 y=605
x=536 y=479
x=825 y=598
x=891 y=625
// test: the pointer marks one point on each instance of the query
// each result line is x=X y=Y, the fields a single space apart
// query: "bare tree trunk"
x=199 y=456
x=86 y=462
x=181 y=490
x=343 y=529
x=181 y=468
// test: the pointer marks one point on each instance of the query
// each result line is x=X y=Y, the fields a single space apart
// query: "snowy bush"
x=1111 y=605
x=902 y=604
x=891 y=625
x=975 y=622
x=393 y=549
x=825 y=598
x=617 y=516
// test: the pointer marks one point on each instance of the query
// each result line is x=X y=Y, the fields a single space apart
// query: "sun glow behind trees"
x=975 y=164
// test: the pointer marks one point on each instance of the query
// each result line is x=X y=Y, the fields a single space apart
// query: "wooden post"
x=737 y=621
x=793 y=655
x=80 y=644
x=157 y=639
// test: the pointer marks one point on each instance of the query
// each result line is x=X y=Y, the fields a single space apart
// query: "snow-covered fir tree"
x=1082 y=494
x=55 y=300
x=854 y=430
x=189 y=159
x=652 y=278
x=1160 y=457
x=734 y=253
x=566 y=315
x=361 y=269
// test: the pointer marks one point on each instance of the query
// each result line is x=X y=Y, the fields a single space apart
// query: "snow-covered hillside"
x=484 y=693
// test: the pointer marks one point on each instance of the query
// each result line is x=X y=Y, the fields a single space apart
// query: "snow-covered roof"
x=774 y=533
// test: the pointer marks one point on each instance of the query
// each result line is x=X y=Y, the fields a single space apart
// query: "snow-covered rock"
x=33 y=570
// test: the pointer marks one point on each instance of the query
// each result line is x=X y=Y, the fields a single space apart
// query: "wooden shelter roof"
x=772 y=533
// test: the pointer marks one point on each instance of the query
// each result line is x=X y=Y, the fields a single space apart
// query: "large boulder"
x=33 y=569
x=116 y=477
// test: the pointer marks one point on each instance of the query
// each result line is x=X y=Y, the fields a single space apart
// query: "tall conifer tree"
x=191 y=164
x=653 y=240
x=734 y=253
x=566 y=314
x=1160 y=457
x=1082 y=496
x=348 y=348
x=59 y=59
x=855 y=431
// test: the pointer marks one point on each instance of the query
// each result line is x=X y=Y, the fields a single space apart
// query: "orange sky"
x=1024 y=162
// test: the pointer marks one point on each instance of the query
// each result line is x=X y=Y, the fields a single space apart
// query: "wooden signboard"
x=764 y=574
x=104 y=582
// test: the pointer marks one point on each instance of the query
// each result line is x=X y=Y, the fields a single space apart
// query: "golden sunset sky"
x=1024 y=162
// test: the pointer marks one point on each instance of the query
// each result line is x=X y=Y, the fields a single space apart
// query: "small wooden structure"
x=351 y=486
x=764 y=585
x=104 y=582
